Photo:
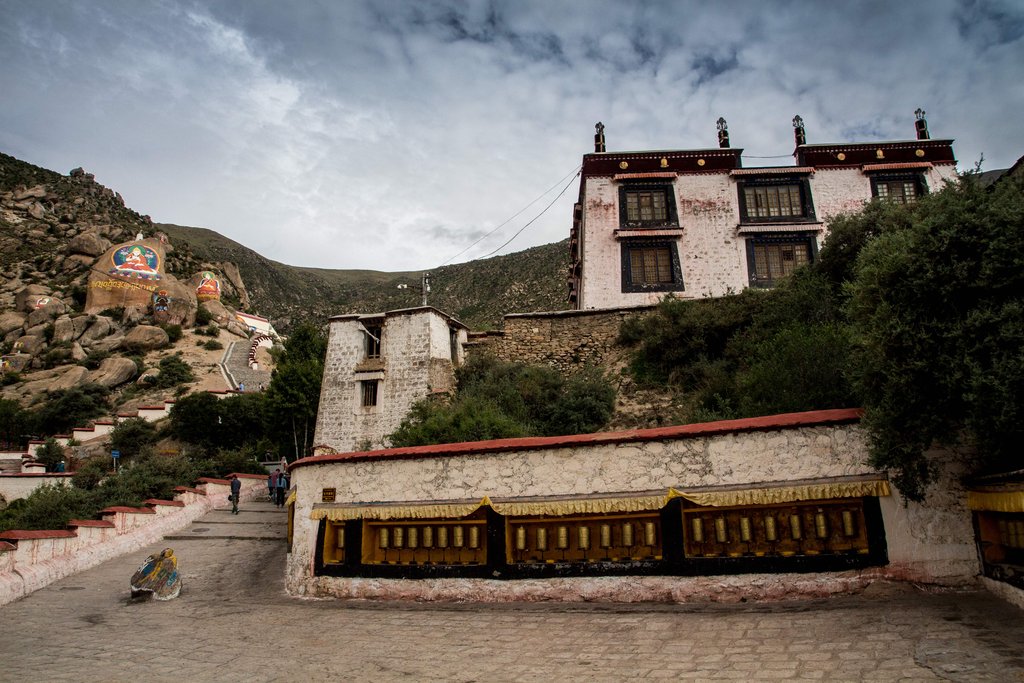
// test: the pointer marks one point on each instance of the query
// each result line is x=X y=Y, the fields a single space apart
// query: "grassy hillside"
x=478 y=293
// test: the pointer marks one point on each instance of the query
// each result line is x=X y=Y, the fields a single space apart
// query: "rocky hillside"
x=77 y=305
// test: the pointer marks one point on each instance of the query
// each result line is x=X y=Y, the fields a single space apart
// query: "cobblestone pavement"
x=233 y=622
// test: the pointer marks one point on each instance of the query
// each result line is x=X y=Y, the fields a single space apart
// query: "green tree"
x=68 y=408
x=15 y=424
x=293 y=397
x=938 y=312
x=50 y=454
x=173 y=371
x=132 y=437
x=196 y=419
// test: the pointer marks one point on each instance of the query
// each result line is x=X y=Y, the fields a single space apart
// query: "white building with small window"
x=376 y=367
x=696 y=223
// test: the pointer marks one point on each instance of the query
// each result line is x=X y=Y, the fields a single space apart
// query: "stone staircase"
x=239 y=370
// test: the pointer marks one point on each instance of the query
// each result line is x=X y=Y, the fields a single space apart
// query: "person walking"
x=272 y=485
x=281 y=487
x=236 y=490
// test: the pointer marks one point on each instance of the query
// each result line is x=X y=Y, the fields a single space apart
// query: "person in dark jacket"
x=236 y=490
x=281 y=487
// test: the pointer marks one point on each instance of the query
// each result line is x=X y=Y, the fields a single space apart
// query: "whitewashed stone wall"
x=415 y=361
x=932 y=542
x=15 y=486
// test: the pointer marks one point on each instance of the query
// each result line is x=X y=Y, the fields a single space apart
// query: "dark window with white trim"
x=770 y=258
x=650 y=266
x=775 y=199
x=647 y=206
x=368 y=390
x=902 y=188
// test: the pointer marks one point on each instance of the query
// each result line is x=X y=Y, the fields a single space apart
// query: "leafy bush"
x=173 y=371
x=50 y=454
x=132 y=437
x=65 y=409
x=93 y=359
x=203 y=317
x=50 y=506
x=173 y=332
x=212 y=345
x=497 y=400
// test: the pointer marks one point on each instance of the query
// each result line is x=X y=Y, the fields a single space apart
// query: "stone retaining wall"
x=30 y=560
x=564 y=340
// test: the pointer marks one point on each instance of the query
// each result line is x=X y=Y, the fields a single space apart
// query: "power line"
x=573 y=173
x=535 y=217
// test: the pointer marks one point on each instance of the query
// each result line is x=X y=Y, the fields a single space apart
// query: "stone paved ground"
x=233 y=622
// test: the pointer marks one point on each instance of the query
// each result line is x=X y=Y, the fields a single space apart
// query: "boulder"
x=217 y=311
x=63 y=330
x=89 y=243
x=77 y=352
x=37 y=211
x=111 y=343
x=174 y=303
x=72 y=377
x=35 y=192
x=11 y=320
x=46 y=313
x=30 y=344
x=100 y=328
x=31 y=297
x=127 y=274
x=236 y=328
x=16 y=362
x=145 y=338
x=114 y=371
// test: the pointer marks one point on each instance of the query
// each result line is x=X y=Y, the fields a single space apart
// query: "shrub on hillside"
x=173 y=371
x=65 y=409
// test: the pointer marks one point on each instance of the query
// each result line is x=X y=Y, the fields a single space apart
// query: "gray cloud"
x=391 y=135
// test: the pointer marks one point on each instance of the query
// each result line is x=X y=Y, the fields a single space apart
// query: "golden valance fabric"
x=290 y=500
x=996 y=501
x=787 y=494
x=563 y=506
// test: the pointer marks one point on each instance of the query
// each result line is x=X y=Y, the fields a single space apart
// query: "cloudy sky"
x=393 y=135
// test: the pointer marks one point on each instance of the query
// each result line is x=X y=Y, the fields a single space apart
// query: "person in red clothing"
x=272 y=484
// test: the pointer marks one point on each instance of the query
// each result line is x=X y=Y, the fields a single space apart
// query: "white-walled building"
x=377 y=366
x=696 y=223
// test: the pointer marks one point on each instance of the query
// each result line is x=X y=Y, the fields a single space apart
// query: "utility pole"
x=425 y=287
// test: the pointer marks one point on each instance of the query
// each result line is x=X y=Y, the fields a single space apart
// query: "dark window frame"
x=807 y=214
x=628 y=286
x=777 y=238
x=920 y=183
x=672 y=216
x=369 y=393
x=372 y=346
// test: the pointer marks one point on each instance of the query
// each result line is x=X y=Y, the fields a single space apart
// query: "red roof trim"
x=210 y=480
x=171 y=503
x=652 y=174
x=98 y=523
x=187 y=489
x=39 y=474
x=241 y=475
x=4 y=545
x=24 y=535
x=752 y=424
x=123 y=508
x=773 y=170
x=900 y=165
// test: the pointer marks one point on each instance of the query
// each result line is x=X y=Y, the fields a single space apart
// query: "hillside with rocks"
x=93 y=292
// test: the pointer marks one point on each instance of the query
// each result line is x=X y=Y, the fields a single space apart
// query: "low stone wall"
x=930 y=543
x=564 y=340
x=21 y=485
x=30 y=560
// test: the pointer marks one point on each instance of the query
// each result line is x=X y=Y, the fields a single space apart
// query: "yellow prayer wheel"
x=720 y=531
x=771 y=532
x=606 y=535
x=457 y=536
x=745 y=534
x=848 y=526
x=428 y=537
x=382 y=538
x=650 y=534
x=442 y=537
x=795 y=529
x=474 y=537
x=398 y=537
x=583 y=537
x=820 y=524
x=520 y=538
x=542 y=539
x=413 y=540
x=627 y=535
x=697 y=529
x=563 y=538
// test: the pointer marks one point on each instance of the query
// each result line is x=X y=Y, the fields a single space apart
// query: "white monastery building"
x=377 y=366
x=695 y=223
